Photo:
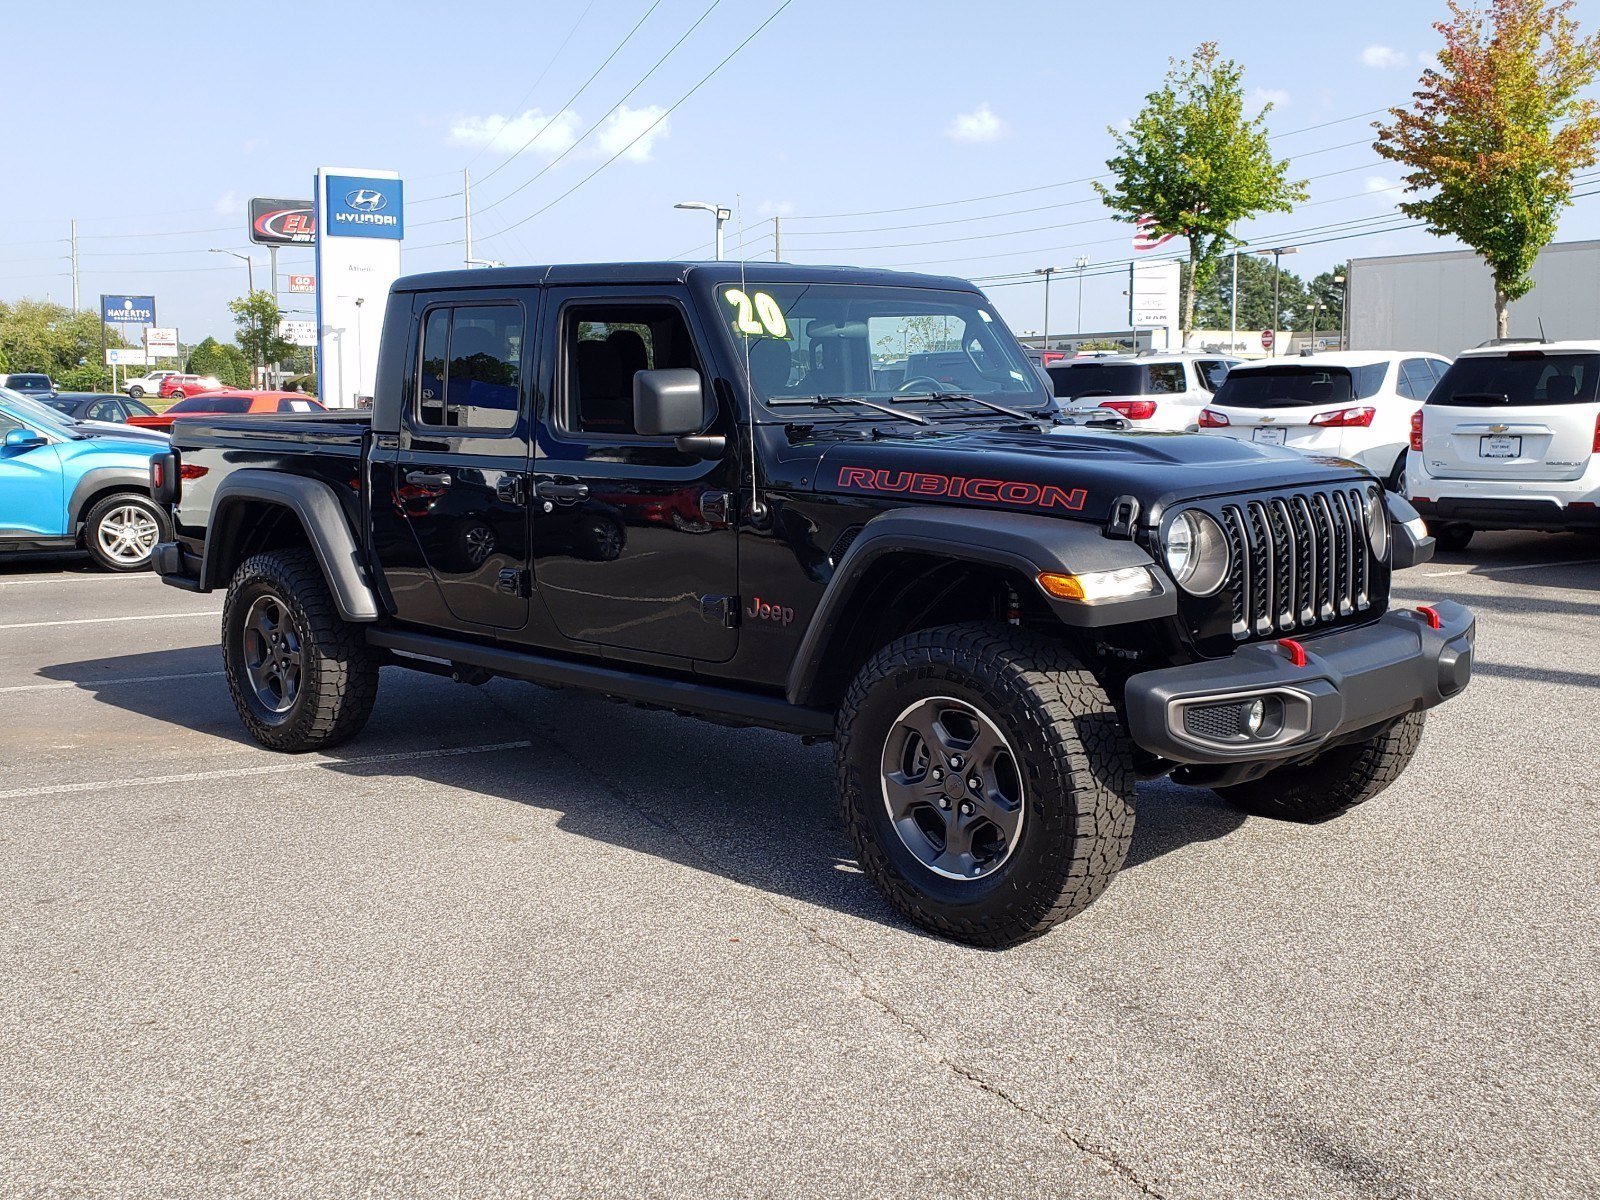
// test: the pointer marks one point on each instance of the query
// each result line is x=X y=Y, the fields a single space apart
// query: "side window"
x=1212 y=372
x=470 y=375
x=604 y=346
x=8 y=423
x=1416 y=380
x=1164 y=378
x=1367 y=381
x=105 y=410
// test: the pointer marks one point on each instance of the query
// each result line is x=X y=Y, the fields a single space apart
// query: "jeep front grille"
x=1298 y=560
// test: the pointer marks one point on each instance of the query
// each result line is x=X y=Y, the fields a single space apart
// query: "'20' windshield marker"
x=988 y=491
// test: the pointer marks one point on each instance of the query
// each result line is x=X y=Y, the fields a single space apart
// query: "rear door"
x=1525 y=415
x=449 y=490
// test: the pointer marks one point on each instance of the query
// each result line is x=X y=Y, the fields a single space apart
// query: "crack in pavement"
x=843 y=957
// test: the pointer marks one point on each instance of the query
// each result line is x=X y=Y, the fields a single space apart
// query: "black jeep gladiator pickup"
x=720 y=489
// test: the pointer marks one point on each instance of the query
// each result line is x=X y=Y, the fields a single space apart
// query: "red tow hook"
x=1296 y=652
x=1431 y=615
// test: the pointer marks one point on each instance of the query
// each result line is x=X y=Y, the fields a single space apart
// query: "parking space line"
x=296 y=764
x=210 y=612
x=87 y=684
x=124 y=577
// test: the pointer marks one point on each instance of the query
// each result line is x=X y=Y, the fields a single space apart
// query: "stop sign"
x=1267 y=338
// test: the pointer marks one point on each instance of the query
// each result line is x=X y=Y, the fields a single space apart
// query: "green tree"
x=227 y=363
x=256 y=317
x=1195 y=165
x=1495 y=133
x=1214 y=299
x=1325 y=299
x=39 y=336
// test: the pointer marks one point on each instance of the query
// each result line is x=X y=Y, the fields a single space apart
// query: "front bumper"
x=1351 y=681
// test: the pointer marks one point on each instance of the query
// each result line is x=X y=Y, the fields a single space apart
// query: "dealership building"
x=1444 y=302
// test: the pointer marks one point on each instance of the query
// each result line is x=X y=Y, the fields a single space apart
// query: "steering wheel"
x=913 y=385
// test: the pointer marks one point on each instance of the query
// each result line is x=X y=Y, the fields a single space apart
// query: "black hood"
x=1068 y=472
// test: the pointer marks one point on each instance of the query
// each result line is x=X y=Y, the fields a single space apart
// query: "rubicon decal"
x=956 y=487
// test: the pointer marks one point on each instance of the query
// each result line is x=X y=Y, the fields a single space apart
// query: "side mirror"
x=669 y=402
x=18 y=440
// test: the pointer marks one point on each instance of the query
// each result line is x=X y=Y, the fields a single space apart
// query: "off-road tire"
x=1334 y=782
x=1453 y=538
x=338 y=677
x=1072 y=754
x=119 y=503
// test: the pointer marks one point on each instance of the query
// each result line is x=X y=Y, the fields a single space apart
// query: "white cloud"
x=550 y=135
x=1428 y=58
x=626 y=124
x=776 y=208
x=979 y=125
x=229 y=204
x=1381 y=57
x=1377 y=183
x=1276 y=97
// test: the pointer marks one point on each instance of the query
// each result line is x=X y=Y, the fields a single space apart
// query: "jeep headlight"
x=1197 y=553
x=1377 y=525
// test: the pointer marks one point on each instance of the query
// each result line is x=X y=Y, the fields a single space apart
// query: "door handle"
x=428 y=479
x=562 y=493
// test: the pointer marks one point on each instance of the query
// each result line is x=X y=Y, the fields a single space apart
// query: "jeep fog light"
x=1099 y=587
x=1255 y=714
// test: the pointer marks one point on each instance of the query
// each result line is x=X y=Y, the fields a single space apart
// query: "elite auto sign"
x=275 y=222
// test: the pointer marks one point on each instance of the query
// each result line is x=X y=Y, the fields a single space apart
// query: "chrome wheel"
x=127 y=534
x=274 y=661
x=952 y=788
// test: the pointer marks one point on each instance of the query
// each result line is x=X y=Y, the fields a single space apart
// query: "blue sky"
x=154 y=127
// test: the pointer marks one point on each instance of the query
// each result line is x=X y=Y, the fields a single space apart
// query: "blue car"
x=65 y=484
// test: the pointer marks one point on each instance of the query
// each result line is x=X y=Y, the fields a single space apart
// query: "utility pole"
x=466 y=204
x=75 y=267
x=1080 y=262
x=777 y=239
x=1233 y=306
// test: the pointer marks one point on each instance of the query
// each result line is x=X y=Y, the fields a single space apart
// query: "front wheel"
x=1453 y=538
x=301 y=676
x=136 y=393
x=120 y=533
x=1334 y=781
x=986 y=782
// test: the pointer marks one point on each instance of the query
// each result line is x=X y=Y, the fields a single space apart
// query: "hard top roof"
x=1336 y=358
x=570 y=274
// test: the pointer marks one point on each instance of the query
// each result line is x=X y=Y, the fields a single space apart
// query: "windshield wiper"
x=989 y=404
x=830 y=401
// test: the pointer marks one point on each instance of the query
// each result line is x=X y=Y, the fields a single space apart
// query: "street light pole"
x=250 y=284
x=716 y=210
x=1080 y=262
x=1277 y=253
x=1047 y=272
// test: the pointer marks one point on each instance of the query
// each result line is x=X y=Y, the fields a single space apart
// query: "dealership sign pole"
x=360 y=223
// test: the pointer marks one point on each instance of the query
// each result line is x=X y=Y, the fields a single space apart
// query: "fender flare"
x=97 y=479
x=317 y=507
x=1021 y=542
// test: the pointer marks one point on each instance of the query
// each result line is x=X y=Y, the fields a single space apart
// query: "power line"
x=704 y=79
x=534 y=86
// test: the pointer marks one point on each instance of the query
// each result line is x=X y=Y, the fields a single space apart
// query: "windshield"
x=32 y=383
x=1079 y=380
x=1299 y=386
x=37 y=415
x=883 y=343
x=1528 y=377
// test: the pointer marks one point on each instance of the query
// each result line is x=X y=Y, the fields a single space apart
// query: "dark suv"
x=691 y=487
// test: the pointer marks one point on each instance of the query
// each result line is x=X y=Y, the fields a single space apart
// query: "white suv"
x=147 y=385
x=1162 y=392
x=1351 y=404
x=1510 y=439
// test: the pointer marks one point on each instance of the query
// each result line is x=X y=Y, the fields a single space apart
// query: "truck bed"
x=330 y=432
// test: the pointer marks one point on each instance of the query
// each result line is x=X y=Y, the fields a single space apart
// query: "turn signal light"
x=1416 y=431
x=1344 y=418
x=1210 y=418
x=1098 y=587
x=1596 y=446
x=1134 y=410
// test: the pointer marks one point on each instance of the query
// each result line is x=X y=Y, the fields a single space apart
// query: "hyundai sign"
x=128 y=310
x=363 y=207
x=282 y=222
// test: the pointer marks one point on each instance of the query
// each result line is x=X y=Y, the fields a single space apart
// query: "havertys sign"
x=128 y=310
x=276 y=222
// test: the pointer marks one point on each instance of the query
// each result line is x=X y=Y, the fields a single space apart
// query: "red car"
x=176 y=387
x=230 y=402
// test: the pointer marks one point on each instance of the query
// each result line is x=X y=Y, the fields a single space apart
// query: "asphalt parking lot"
x=517 y=942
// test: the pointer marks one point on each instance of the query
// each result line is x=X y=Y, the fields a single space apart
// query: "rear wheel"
x=177 y=394
x=136 y=393
x=1451 y=537
x=986 y=782
x=301 y=676
x=121 y=531
x=1397 y=477
x=1333 y=782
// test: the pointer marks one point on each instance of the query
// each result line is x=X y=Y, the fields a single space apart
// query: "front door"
x=33 y=498
x=633 y=540
x=449 y=491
